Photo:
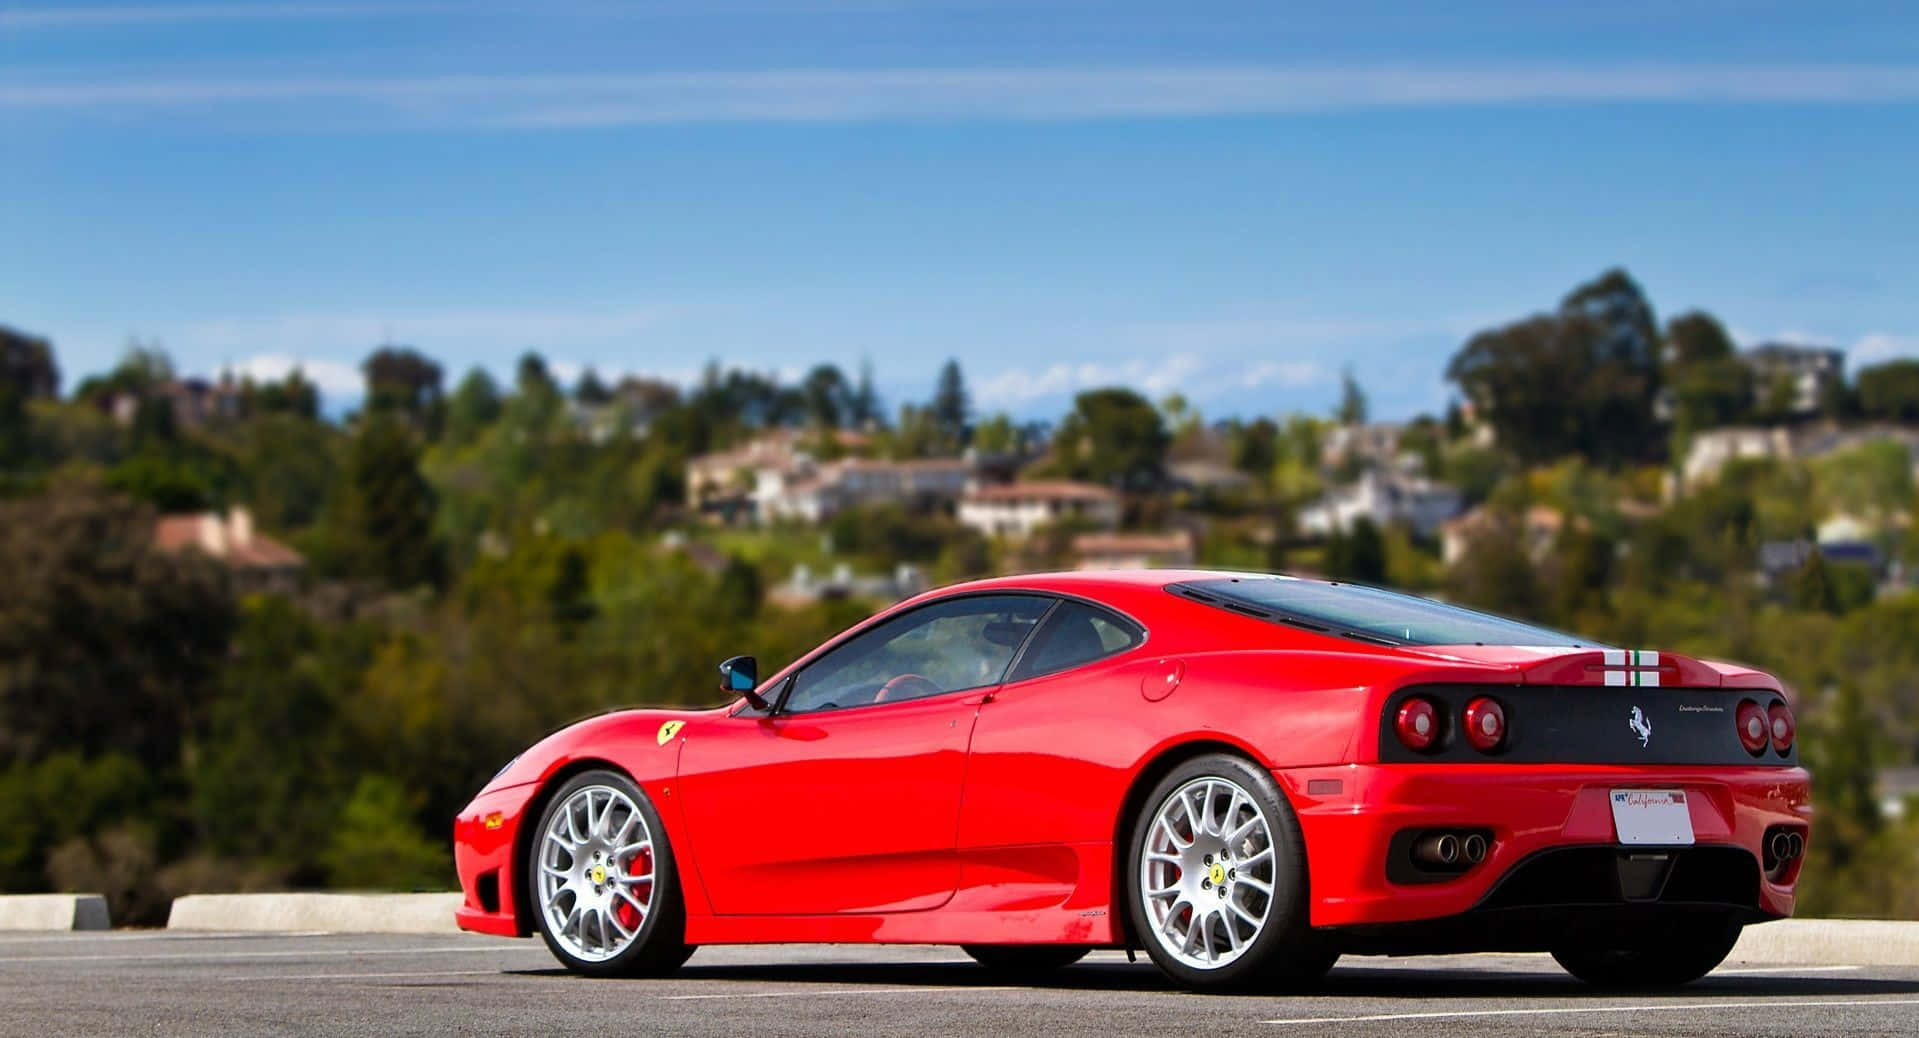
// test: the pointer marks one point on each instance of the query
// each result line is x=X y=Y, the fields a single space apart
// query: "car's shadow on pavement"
x=1367 y=978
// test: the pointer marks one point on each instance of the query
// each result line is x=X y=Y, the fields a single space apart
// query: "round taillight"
x=1417 y=724
x=1781 y=727
x=1485 y=724
x=1754 y=727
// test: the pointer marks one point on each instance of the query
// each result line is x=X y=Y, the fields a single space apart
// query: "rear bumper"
x=1531 y=810
x=484 y=838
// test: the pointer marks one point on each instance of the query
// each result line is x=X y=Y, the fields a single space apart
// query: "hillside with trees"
x=248 y=645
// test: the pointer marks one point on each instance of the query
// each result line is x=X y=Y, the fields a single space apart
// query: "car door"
x=845 y=797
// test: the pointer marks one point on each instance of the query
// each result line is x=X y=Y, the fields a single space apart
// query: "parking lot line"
x=1761 y=970
x=810 y=993
x=240 y=977
x=237 y=955
x=1472 y=1014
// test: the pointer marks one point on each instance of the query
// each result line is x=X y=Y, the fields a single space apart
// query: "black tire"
x=1664 y=956
x=1025 y=960
x=1286 y=952
x=659 y=947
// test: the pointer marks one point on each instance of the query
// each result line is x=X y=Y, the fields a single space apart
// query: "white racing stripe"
x=810 y=993
x=1689 y=1007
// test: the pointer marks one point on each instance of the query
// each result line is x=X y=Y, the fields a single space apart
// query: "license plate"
x=1655 y=817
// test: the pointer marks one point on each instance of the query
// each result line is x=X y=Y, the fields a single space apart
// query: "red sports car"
x=1244 y=775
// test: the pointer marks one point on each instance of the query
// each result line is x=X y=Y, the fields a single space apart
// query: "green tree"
x=590 y=390
x=1581 y=380
x=1358 y=554
x=1352 y=401
x=1113 y=437
x=863 y=406
x=403 y=381
x=27 y=366
x=950 y=406
x=828 y=399
x=475 y=405
x=387 y=509
x=378 y=845
x=1890 y=390
x=106 y=643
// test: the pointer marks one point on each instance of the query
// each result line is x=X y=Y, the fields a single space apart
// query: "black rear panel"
x=1548 y=724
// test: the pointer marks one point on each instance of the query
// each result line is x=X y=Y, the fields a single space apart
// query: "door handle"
x=981 y=699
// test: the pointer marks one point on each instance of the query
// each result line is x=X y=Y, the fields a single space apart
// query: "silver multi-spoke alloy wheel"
x=1207 y=872
x=596 y=873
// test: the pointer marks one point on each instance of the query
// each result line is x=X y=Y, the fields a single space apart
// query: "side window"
x=949 y=646
x=1076 y=633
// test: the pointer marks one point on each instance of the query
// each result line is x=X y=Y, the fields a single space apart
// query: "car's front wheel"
x=603 y=881
x=1665 y=956
x=1217 y=879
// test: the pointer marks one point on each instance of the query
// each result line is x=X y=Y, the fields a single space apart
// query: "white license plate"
x=1655 y=817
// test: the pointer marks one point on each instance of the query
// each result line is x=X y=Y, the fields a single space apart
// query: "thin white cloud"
x=1881 y=346
x=332 y=377
x=467 y=330
x=1197 y=377
x=960 y=94
x=110 y=15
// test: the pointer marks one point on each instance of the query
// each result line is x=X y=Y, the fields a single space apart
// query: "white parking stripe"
x=810 y=993
x=1472 y=1014
x=360 y=976
x=302 y=954
x=1736 y=972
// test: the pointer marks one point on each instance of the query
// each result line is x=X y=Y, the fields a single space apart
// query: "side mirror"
x=741 y=676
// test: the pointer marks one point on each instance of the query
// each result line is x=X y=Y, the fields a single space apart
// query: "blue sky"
x=1234 y=201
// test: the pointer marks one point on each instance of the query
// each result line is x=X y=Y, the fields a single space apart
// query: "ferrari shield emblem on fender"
x=669 y=730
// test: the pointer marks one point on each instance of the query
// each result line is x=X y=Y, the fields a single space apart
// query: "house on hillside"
x=1712 y=450
x=1173 y=548
x=1015 y=510
x=1385 y=498
x=1375 y=443
x=1812 y=372
x=806 y=586
x=810 y=492
x=734 y=483
x=1537 y=528
x=257 y=562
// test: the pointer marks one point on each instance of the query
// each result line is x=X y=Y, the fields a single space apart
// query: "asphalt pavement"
x=171 y=983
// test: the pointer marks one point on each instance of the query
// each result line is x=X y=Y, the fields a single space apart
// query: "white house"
x=1015 y=510
x=1383 y=498
x=1713 y=449
x=811 y=492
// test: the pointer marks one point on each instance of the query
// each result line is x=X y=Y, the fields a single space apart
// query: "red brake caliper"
x=641 y=864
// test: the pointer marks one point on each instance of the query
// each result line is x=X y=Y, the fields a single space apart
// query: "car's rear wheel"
x=1669 y=955
x=603 y=882
x=1217 y=879
x=1024 y=960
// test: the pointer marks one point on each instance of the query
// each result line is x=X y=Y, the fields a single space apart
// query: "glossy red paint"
x=992 y=815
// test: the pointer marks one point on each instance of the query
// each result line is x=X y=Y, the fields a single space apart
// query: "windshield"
x=1369 y=612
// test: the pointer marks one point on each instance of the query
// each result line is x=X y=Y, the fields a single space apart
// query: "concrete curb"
x=1830 y=942
x=53 y=912
x=332 y=913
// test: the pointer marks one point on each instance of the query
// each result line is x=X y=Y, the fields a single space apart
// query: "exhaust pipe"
x=1781 y=846
x=1798 y=845
x=1474 y=848
x=1440 y=849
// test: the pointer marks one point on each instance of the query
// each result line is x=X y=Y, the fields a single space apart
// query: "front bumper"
x=1350 y=814
x=484 y=841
